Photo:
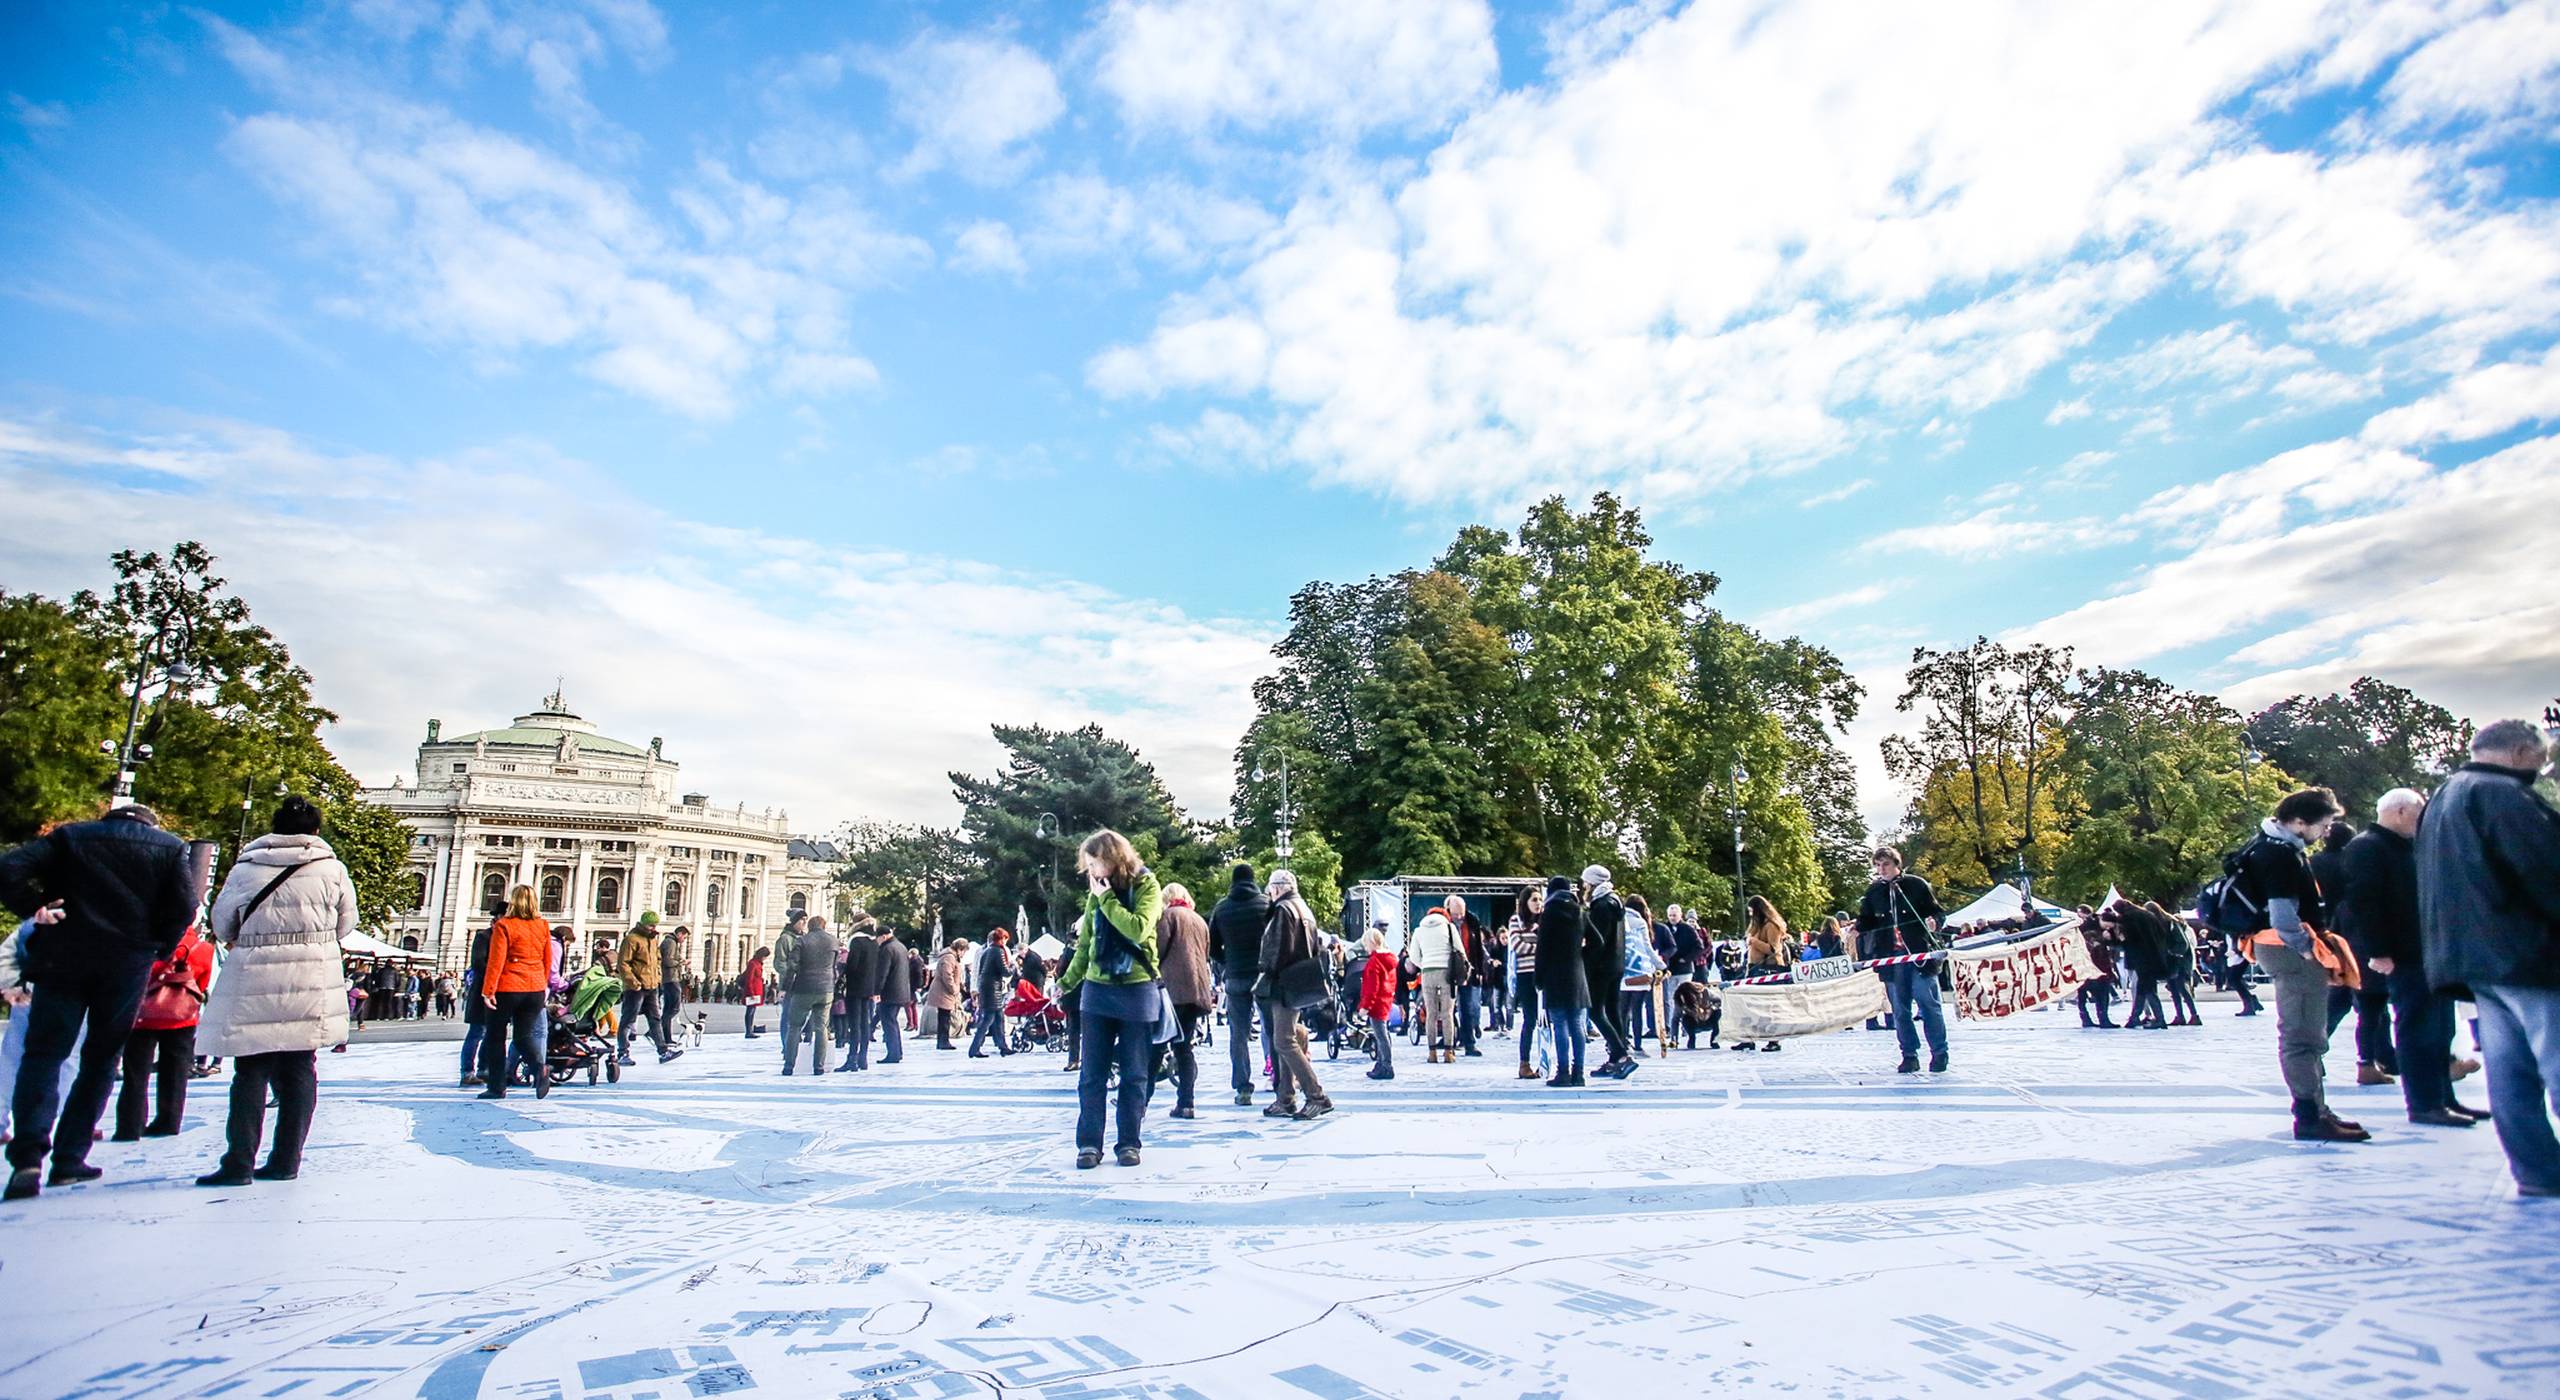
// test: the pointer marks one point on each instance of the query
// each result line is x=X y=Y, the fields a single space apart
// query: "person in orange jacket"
x=518 y=978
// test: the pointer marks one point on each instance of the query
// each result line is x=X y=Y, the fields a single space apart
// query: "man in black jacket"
x=991 y=977
x=2378 y=913
x=1604 y=966
x=858 y=985
x=2376 y=1061
x=127 y=897
x=1899 y=914
x=2489 y=922
x=1235 y=949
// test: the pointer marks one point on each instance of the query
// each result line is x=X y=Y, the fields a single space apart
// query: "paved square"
x=2068 y=1213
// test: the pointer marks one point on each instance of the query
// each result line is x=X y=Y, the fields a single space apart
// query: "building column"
x=438 y=880
x=581 y=896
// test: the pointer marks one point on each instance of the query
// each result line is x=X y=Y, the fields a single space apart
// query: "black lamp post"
x=176 y=673
x=1048 y=829
x=1284 y=819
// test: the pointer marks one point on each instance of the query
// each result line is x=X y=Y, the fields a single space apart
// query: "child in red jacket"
x=1378 y=999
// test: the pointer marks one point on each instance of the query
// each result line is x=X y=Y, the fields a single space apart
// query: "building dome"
x=544 y=728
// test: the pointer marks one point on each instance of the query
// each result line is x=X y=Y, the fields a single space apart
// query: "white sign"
x=1825 y=969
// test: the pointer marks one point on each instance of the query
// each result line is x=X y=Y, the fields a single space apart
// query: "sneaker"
x=72 y=1173
x=1938 y=1063
x=1315 y=1109
x=670 y=1056
x=1562 y=1080
x=626 y=1061
x=1088 y=1158
x=223 y=1178
x=1625 y=1068
x=1280 y=1110
x=1910 y=1065
x=23 y=1182
x=1772 y=1047
x=1244 y=1100
x=1474 y=1053
x=1126 y=1156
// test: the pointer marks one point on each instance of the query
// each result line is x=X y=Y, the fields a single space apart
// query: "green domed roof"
x=542 y=730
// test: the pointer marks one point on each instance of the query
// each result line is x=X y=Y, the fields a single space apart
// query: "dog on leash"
x=692 y=1030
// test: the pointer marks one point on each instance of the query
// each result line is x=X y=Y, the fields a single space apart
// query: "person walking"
x=1436 y=949
x=805 y=973
x=1899 y=915
x=1235 y=950
x=2378 y=913
x=751 y=988
x=637 y=961
x=1525 y=1001
x=1604 y=960
x=1288 y=941
x=1378 y=999
x=2178 y=946
x=989 y=978
x=126 y=896
x=1561 y=986
x=897 y=995
x=858 y=990
x=519 y=981
x=1115 y=967
x=1182 y=940
x=162 y=1046
x=283 y=910
x=947 y=991
x=674 y=965
x=2275 y=879
x=2488 y=864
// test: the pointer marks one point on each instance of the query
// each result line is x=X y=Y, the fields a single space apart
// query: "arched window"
x=799 y=901
x=554 y=894
x=608 y=895
x=410 y=943
x=417 y=889
x=493 y=892
x=711 y=900
x=675 y=899
x=746 y=899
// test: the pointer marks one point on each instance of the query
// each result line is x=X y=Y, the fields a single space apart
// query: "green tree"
x=1088 y=781
x=2364 y=743
x=907 y=875
x=374 y=845
x=58 y=703
x=1982 y=765
x=2161 y=785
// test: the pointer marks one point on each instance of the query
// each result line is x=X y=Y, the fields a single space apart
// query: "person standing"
x=2378 y=913
x=1435 y=948
x=283 y=910
x=2275 y=878
x=1289 y=939
x=163 y=1042
x=1636 y=982
x=2488 y=858
x=1561 y=985
x=1769 y=946
x=805 y=972
x=1235 y=948
x=1182 y=939
x=475 y=1015
x=1378 y=998
x=858 y=990
x=990 y=981
x=2370 y=999
x=519 y=978
x=673 y=966
x=1114 y=966
x=126 y=897
x=946 y=991
x=751 y=988
x=897 y=995
x=1604 y=960
x=1897 y=915
x=1469 y=989
x=1524 y=979
x=637 y=960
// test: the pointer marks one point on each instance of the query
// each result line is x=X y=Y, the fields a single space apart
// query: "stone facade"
x=601 y=830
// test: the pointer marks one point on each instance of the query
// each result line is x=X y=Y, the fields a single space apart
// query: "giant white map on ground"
x=2070 y=1213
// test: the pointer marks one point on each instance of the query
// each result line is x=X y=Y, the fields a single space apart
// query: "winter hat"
x=1242 y=872
x=1557 y=884
x=648 y=918
x=1595 y=875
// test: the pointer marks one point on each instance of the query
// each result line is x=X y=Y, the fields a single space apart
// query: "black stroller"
x=1338 y=1020
x=574 y=1046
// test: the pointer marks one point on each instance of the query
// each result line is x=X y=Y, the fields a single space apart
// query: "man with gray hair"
x=2378 y=913
x=2488 y=857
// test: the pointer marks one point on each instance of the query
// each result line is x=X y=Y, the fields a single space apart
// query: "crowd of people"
x=2435 y=902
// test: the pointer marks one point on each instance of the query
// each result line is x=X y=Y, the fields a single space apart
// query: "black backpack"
x=2223 y=906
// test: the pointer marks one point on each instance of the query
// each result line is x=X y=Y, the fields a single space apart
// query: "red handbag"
x=171 y=999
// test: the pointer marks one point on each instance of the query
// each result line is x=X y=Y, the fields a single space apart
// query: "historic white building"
x=601 y=831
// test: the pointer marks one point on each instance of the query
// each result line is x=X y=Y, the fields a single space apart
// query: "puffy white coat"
x=1433 y=939
x=283 y=986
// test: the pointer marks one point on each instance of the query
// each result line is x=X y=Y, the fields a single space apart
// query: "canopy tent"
x=365 y=945
x=2003 y=902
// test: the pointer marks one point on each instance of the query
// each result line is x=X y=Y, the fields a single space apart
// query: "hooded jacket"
x=1235 y=928
x=126 y=892
x=283 y=986
x=2489 y=883
x=638 y=961
x=1434 y=940
x=1561 y=938
x=1604 y=943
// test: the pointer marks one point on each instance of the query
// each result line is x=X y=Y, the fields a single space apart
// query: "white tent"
x=365 y=945
x=2003 y=902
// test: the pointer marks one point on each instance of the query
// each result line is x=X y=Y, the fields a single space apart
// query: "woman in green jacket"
x=1115 y=968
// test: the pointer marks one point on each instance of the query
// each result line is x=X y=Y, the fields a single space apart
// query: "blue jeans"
x=13 y=1047
x=93 y=1009
x=1912 y=989
x=857 y=1033
x=472 y=1035
x=1571 y=1026
x=1470 y=1005
x=988 y=1022
x=1524 y=996
x=1108 y=1042
x=2520 y=1041
x=892 y=1031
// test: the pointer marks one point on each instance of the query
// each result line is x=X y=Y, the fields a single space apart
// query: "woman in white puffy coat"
x=283 y=991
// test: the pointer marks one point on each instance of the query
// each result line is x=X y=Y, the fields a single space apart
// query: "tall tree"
x=374 y=846
x=1084 y=779
x=2362 y=744
x=1982 y=764
x=58 y=704
x=2161 y=784
x=906 y=875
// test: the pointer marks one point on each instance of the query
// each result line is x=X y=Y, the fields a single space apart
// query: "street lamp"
x=176 y=673
x=1047 y=829
x=1284 y=818
x=1741 y=903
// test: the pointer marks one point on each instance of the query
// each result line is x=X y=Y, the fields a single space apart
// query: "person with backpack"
x=126 y=896
x=1561 y=985
x=1115 y=967
x=2489 y=921
x=1636 y=983
x=1899 y=915
x=2271 y=885
x=163 y=1043
x=1604 y=959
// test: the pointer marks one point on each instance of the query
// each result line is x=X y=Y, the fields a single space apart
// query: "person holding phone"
x=1114 y=969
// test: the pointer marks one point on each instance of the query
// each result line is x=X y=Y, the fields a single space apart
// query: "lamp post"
x=1047 y=829
x=1283 y=819
x=1741 y=902
x=176 y=673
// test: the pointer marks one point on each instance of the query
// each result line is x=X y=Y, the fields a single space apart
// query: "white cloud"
x=988 y=246
x=1838 y=494
x=2224 y=364
x=974 y=101
x=2505 y=63
x=468 y=236
x=1197 y=66
x=1996 y=532
x=2066 y=410
x=555 y=42
x=1170 y=221
x=458 y=588
x=1797 y=614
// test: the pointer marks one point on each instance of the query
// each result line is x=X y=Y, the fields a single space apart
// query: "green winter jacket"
x=1138 y=925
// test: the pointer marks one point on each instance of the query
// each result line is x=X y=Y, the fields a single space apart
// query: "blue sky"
x=815 y=385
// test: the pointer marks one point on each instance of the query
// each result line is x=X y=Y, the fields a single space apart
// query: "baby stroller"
x=1349 y=1029
x=575 y=1046
x=1038 y=1022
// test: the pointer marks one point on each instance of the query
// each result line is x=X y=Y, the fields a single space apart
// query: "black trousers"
x=294 y=1075
x=2372 y=1005
x=522 y=1012
x=1186 y=1069
x=104 y=997
x=161 y=1061
x=1604 y=1010
x=2424 y=1024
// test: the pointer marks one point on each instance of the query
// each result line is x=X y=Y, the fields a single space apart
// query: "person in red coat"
x=163 y=1043
x=1378 y=999
x=751 y=988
